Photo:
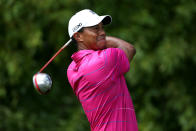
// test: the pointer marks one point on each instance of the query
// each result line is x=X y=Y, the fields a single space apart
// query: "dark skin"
x=94 y=38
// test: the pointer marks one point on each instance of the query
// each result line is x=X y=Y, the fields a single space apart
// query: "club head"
x=42 y=83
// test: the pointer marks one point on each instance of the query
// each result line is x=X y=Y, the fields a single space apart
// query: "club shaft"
x=65 y=45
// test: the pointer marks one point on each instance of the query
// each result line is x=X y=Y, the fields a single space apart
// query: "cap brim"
x=106 y=19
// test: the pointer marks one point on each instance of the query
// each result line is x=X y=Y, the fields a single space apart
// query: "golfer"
x=97 y=71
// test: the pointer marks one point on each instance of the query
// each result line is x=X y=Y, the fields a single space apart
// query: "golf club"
x=42 y=81
x=65 y=45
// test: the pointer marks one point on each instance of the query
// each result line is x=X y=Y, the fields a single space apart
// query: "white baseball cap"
x=86 y=18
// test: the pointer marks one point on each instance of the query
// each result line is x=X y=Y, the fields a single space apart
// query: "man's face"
x=94 y=37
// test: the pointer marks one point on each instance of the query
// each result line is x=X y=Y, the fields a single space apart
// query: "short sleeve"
x=117 y=59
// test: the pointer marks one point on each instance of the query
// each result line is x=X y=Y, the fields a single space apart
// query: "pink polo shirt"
x=97 y=78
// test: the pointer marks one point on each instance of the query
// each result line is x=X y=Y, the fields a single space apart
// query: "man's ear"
x=77 y=37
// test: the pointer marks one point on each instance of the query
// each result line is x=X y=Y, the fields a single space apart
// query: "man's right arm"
x=113 y=42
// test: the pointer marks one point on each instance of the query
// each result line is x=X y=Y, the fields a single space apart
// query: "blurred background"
x=161 y=79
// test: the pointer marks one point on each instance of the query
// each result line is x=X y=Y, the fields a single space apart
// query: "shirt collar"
x=77 y=56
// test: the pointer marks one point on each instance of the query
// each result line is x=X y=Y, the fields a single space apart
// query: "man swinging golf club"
x=97 y=71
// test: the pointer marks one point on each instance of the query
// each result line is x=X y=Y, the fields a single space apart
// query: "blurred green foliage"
x=161 y=79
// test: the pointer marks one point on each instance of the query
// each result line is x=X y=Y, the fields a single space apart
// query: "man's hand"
x=113 y=42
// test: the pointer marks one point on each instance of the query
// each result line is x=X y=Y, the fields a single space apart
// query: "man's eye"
x=96 y=28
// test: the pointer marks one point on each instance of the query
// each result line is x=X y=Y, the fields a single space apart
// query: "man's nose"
x=101 y=31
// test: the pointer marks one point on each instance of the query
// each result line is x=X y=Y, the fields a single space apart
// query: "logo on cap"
x=76 y=27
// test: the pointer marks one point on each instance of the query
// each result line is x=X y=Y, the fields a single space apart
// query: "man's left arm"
x=113 y=42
